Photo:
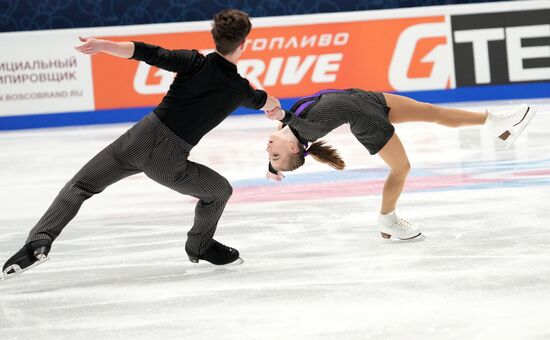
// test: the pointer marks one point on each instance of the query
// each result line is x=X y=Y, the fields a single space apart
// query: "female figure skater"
x=204 y=92
x=371 y=116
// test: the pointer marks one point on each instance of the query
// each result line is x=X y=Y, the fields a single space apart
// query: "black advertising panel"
x=501 y=48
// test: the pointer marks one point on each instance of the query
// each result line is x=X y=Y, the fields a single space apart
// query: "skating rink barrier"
x=438 y=54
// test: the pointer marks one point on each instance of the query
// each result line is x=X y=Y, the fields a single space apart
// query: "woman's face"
x=280 y=148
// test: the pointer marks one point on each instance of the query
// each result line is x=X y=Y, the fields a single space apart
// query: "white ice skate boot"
x=391 y=225
x=509 y=125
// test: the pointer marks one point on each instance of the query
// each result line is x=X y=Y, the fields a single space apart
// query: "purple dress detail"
x=313 y=98
x=308 y=101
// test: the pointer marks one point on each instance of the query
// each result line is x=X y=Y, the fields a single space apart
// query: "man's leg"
x=101 y=171
x=122 y=158
x=213 y=192
x=96 y=175
x=169 y=166
x=197 y=180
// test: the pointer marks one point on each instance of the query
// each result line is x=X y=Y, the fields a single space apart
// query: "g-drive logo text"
x=501 y=48
x=420 y=59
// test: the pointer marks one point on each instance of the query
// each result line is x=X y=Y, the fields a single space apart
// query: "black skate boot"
x=30 y=255
x=217 y=254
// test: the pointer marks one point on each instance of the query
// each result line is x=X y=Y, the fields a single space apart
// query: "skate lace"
x=403 y=224
x=503 y=115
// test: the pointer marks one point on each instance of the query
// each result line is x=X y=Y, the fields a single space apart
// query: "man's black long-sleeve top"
x=205 y=90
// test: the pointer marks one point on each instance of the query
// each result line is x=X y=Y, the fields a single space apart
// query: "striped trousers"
x=148 y=147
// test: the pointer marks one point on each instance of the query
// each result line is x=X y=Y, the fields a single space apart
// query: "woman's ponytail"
x=320 y=151
x=326 y=154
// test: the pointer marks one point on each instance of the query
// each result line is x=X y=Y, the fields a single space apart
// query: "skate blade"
x=234 y=263
x=387 y=236
x=237 y=262
x=17 y=270
x=511 y=136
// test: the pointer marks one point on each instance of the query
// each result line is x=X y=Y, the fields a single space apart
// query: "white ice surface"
x=316 y=268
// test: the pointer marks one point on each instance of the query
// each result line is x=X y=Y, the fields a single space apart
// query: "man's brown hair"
x=229 y=30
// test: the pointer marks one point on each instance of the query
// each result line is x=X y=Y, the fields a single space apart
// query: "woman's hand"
x=275 y=114
x=278 y=177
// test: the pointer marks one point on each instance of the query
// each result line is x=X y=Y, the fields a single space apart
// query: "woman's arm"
x=93 y=46
x=308 y=130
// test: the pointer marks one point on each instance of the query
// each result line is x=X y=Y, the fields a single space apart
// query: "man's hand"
x=271 y=103
x=275 y=114
x=278 y=177
x=91 y=46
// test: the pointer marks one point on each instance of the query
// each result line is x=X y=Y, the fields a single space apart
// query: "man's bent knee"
x=225 y=191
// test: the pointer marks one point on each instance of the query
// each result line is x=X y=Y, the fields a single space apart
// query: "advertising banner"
x=292 y=61
x=501 y=48
x=437 y=54
x=43 y=74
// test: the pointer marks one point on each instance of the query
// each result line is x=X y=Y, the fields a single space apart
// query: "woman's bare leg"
x=395 y=157
x=403 y=109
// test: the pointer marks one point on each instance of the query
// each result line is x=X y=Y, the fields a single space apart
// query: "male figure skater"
x=205 y=91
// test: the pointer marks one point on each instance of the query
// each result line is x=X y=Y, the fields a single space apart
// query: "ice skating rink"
x=316 y=267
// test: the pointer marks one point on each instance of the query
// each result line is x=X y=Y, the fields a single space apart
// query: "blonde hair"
x=320 y=151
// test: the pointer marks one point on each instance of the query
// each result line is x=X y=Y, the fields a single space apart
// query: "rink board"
x=438 y=54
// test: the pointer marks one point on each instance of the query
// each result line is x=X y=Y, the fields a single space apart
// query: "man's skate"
x=508 y=126
x=29 y=256
x=390 y=225
x=217 y=254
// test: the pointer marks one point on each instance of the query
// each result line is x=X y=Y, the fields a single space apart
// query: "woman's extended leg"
x=403 y=109
x=395 y=157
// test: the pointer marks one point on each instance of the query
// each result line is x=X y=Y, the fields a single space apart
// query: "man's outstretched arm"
x=91 y=46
